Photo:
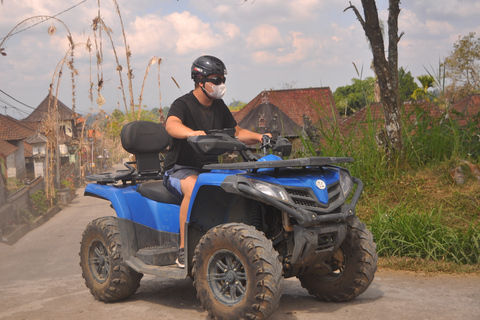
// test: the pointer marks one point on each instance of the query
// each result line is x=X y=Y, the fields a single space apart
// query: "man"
x=194 y=114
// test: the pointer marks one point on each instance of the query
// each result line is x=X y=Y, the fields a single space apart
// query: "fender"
x=125 y=200
x=113 y=194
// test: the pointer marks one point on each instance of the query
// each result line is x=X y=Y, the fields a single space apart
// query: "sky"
x=265 y=44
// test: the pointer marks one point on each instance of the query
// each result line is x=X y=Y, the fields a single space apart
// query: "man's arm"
x=247 y=136
x=178 y=130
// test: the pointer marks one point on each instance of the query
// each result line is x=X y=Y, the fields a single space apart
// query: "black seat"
x=145 y=140
x=156 y=191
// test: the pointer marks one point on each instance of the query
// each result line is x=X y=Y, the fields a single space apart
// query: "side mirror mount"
x=283 y=146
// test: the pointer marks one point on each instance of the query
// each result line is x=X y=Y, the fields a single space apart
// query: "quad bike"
x=250 y=224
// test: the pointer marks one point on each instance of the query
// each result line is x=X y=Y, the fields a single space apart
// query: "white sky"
x=264 y=44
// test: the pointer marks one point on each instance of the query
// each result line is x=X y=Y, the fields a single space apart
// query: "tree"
x=236 y=105
x=407 y=85
x=353 y=97
x=386 y=69
x=463 y=63
x=118 y=115
x=427 y=82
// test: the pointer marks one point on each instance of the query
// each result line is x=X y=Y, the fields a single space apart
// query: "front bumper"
x=305 y=217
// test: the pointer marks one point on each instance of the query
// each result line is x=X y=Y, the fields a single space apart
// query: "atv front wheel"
x=237 y=274
x=352 y=267
x=105 y=273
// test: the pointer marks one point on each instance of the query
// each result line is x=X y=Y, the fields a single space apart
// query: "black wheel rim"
x=227 y=277
x=98 y=261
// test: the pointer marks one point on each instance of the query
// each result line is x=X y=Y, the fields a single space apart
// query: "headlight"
x=345 y=182
x=270 y=189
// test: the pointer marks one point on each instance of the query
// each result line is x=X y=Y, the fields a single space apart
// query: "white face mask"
x=218 y=91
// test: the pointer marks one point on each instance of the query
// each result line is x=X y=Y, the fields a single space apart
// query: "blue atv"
x=250 y=225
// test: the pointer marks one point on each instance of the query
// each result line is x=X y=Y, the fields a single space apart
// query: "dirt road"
x=40 y=279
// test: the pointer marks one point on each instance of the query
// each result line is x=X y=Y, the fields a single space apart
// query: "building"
x=14 y=147
x=289 y=111
x=66 y=121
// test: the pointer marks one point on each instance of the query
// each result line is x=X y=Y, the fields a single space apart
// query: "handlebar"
x=266 y=143
x=221 y=141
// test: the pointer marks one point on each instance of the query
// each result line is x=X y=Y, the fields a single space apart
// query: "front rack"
x=301 y=162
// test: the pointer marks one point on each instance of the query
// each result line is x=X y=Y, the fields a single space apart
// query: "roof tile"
x=316 y=103
x=13 y=129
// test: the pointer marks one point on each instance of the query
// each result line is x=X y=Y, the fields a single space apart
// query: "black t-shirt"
x=197 y=117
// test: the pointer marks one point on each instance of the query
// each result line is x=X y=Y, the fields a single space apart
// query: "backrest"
x=145 y=140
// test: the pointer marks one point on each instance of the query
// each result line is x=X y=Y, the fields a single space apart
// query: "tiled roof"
x=94 y=133
x=469 y=107
x=27 y=150
x=40 y=112
x=373 y=115
x=273 y=118
x=316 y=103
x=360 y=119
x=6 y=148
x=37 y=138
x=12 y=129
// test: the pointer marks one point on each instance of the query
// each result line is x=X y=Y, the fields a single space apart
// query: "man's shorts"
x=174 y=175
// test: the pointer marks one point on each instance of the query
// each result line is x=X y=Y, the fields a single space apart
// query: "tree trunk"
x=385 y=69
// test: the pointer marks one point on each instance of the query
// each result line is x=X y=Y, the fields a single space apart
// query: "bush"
x=69 y=183
x=39 y=202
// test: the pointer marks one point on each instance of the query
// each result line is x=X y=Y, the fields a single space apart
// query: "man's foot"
x=181 y=258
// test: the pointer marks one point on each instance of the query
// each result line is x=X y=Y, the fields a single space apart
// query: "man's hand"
x=196 y=133
x=178 y=130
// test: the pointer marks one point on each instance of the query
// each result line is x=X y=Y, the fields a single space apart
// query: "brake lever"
x=266 y=140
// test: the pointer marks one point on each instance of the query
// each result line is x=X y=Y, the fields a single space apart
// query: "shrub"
x=69 y=183
x=39 y=202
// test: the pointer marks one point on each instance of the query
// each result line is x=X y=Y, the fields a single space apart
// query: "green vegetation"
x=236 y=105
x=13 y=185
x=25 y=216
x=462 y=65
x=415 y=210
x=406 y=83
x=39 y=202
x=351 y=98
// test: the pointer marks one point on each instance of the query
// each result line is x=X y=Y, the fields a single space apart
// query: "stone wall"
x=10 y=209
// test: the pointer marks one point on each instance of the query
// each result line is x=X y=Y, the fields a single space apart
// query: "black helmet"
x=207 y=65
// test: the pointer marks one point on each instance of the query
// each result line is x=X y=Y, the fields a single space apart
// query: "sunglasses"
x=217 y=80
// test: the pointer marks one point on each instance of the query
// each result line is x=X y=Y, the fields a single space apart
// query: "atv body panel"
x=298 y=205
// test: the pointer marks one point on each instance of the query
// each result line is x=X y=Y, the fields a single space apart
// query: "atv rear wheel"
x=237 y=274
x=352 y=267
x=105 y=273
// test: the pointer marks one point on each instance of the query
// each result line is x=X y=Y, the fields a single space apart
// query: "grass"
x=420 y=218
x=13 y=185
x=418 y=235
x=426 y=266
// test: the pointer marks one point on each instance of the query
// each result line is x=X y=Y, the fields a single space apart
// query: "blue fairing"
x=308 y=179
x=126 y=200
x=287 y=177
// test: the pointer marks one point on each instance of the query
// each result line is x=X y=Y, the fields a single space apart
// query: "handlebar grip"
x=266 y=143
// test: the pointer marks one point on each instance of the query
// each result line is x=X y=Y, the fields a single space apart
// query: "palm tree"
x=427 y=82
